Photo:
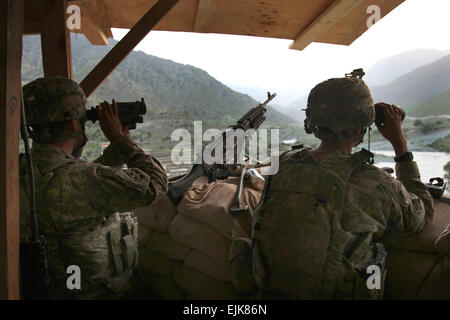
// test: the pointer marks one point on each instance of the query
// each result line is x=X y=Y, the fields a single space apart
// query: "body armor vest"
x=299 y=248
x=105 y=248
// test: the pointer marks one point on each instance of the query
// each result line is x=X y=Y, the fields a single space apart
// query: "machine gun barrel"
x=254 y=117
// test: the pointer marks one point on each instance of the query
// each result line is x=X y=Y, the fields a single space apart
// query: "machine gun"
x=130 y=113
x=251 y=120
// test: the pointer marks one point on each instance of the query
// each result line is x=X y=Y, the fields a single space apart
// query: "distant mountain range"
x=422 y=92
x=418 y=80
x=175 y=94
x=391 y=68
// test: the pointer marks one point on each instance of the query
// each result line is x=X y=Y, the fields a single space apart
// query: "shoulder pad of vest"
x=363 y=156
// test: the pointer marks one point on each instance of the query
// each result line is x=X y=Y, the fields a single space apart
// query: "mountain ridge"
x=176 y=95
x=418 y=87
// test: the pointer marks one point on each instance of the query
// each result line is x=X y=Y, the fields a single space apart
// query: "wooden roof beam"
x=33 y=12
x=126 y=45
x=324 y=22
x=94 y=26
x=205 y=15
x=55 y=40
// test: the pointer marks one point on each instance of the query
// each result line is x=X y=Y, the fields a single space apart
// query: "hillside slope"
x=175 y=94
x=391 y=68
x=437 y=105
x=418 y=86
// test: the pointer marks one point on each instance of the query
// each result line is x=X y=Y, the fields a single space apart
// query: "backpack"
x=298 y=244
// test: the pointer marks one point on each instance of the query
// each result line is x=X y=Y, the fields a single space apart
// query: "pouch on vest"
x=123 y=239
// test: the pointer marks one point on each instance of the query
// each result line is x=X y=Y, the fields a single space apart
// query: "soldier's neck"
x=66 y=145
x=326 y=148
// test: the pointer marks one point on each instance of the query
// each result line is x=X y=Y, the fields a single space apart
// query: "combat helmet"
x=50 y=100
x=337 y=105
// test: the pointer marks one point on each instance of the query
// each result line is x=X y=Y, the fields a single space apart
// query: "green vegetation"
x=416 y=128
x=422 y=92
x=442 y=144
x=175 y=95
x=437 y=105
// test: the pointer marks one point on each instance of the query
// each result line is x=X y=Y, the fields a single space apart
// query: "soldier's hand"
x=109 y=120
x=392 y=128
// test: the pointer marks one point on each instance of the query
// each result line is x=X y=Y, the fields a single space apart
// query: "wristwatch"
x=407 y=156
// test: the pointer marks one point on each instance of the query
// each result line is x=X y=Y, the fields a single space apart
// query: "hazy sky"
x=269 y=64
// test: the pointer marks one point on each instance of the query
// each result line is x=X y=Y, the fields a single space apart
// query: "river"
x=431 y=164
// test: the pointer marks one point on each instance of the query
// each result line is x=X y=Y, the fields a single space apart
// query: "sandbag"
x=418 y=266
x=162 y=287
x=442 y=243
x=144 y=234
x=240 y=258
x=423 y=241
x=164 y=244
x=201 y=262
x=158 y=215
x=155 y=263
x=210 y=203
x=201 y=237
x=198 y=285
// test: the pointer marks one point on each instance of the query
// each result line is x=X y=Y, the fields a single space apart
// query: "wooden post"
x=55 y=40
x=126 y=45
x=11 y=26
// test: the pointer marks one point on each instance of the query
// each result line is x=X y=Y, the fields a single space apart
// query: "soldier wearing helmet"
x=83 y=207
x=319 y=228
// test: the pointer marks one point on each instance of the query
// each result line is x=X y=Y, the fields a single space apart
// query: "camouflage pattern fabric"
x=304 y=251
x=53 y=100
x=336 y=105
x=75 y=202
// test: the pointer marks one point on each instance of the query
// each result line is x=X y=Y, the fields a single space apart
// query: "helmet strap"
x=371 y=160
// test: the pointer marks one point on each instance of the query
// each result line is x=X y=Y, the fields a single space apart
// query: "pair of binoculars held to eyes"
x=129 y=113
x=380 y=116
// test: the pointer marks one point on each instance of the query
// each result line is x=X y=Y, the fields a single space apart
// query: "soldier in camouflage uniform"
x=323 y=216
x=77 y=202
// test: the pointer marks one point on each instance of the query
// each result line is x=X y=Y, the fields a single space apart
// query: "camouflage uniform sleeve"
x=112 y=155
x=412 y=205
x=94 y=190
x=127 y=151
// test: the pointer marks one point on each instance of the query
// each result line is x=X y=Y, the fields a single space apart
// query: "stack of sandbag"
x=184 y=250
x=418 y=265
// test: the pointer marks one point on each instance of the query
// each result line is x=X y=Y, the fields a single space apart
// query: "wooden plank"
x=55 y=40
x=283 y=19
x=92 y=26
x=205 y=15
x=337 y=11
x=11 y=27
x=126 y=45
x=351 y=27
x=33 y=12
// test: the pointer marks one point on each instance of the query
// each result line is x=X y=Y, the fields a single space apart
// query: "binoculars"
x=130 y=113
x=379 y=115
